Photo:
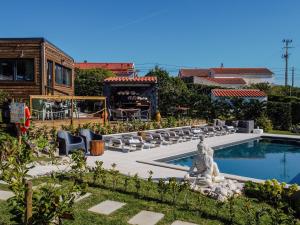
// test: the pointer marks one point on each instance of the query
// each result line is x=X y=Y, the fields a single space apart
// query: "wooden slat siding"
x=56 y=55
x=31 y=50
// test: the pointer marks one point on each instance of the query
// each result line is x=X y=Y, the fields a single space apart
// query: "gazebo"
x=131 y=97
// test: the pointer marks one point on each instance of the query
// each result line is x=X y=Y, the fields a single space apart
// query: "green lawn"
x=200 y=209
x=282 y=132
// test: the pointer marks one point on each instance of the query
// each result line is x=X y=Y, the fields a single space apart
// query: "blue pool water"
x=262 y=159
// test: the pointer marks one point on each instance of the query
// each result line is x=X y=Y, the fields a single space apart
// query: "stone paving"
x=86 y=195
x=146 y=218
x=5 y=195
x=179 y=222
x=107 y=207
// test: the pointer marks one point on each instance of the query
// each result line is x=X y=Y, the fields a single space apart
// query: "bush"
x=264 y=122
x=271 y=191
x=280 y=115
x=295 y=112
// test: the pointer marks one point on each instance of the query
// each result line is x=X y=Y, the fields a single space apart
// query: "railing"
x=56 y=107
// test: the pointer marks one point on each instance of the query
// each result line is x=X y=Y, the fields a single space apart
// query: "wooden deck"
x=57 y=124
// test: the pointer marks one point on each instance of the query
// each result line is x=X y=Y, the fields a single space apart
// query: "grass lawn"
x=200 y=209
x=282 y=132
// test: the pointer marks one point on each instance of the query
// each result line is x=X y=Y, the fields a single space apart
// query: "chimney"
x=222 y=65
x=85 y=61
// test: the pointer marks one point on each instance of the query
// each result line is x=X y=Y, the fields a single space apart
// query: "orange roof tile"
x=226 y=80
x=238 y=93
x=241 y=71
x=131 y=80
x=109 y=66
x=194 y=72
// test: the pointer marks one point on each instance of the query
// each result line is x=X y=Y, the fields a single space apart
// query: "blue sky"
x=172 y=33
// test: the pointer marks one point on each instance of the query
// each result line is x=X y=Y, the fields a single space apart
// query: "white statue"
x=207 y=170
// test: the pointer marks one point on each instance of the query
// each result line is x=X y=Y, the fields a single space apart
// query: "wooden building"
x=34 y=66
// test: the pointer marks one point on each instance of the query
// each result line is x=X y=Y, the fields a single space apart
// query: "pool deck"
x=143 y=161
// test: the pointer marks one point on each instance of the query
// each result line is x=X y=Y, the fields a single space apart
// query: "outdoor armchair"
x=89 y=136
x=68 y=142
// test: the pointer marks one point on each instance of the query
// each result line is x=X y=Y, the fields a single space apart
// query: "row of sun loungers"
x=130 y=142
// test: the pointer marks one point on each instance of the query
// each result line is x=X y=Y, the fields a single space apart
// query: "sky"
x=170 y=33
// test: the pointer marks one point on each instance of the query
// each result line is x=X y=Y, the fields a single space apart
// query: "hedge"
x=295 y=112
x=280 y=114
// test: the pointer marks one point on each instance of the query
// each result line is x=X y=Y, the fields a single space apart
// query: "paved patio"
x=127 y=163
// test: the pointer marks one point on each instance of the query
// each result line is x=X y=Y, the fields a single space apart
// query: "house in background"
x=120 y=69
x=227 y=77
x=34 y=66
x=246 y=94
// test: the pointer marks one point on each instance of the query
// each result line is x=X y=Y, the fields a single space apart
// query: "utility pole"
x=293 y=76
x=286 y=57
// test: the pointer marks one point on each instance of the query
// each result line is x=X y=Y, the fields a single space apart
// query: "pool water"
x=264 y=158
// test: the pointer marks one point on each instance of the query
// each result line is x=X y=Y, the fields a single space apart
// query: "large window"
x=17 y=69
x=63 y=75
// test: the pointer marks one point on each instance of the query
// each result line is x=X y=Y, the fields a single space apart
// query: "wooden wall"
x=40 y=50
x=57 y=56
x=16 y=49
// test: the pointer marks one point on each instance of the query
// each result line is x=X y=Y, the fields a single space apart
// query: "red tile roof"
x=131 y=80
x=238 y=93
x=226 y=80
x=115 y=67
x=241 y=71
x=193 y=72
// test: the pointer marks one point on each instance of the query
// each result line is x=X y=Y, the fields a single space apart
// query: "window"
x=63 y=75
x=17 y=69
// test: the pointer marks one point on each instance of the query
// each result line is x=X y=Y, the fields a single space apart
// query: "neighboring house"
x=246 y=94
x=250 y=75
x=34 y=66
x=227 y=77
x=120 y=69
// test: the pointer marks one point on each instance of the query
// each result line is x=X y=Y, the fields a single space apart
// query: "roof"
x=194 y=72
x=139 y=80
x=226 y=80
x=38 y=39
x=238 y=93
x=125 y=66
x=241 y=71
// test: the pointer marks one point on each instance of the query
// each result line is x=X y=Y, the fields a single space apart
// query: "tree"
x=90 y=82
x=172 y=91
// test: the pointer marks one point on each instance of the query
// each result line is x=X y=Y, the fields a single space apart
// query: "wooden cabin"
x=34 y=66
x=133 y=97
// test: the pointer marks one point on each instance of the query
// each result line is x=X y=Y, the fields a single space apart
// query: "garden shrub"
x=264 y=122
x=295 y=112
x=271 y=191
x=280 y=115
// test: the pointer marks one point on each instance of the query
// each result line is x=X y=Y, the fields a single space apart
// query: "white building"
x=227 y=77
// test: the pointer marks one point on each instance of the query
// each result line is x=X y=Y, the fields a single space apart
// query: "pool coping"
x=161 y=162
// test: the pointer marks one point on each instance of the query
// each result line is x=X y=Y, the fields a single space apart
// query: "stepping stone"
x=4 y=195
x=79 y=198
x=3 y=182
x=107 y=207
x=44 y=184
x=146 y=218
x=179 y=222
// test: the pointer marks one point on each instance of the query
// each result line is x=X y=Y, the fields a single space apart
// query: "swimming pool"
x=264 y=158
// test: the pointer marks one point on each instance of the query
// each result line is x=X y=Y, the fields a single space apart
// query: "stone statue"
x=207 y=170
